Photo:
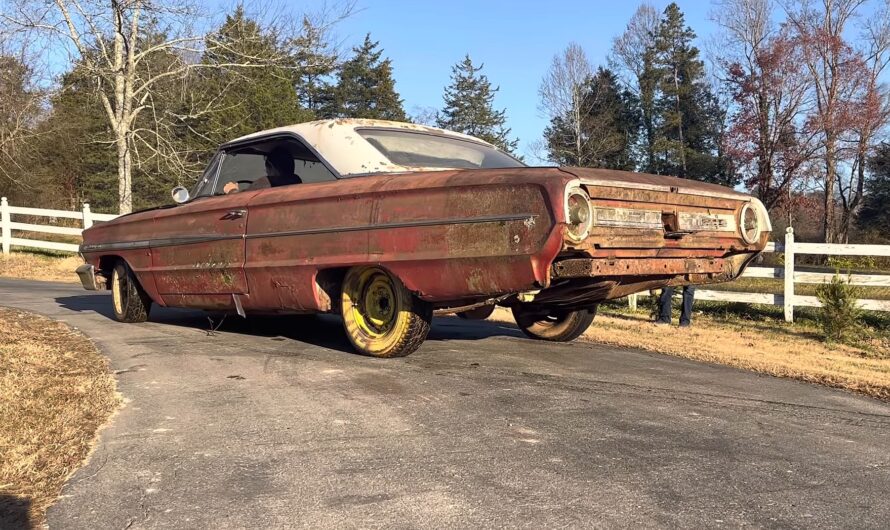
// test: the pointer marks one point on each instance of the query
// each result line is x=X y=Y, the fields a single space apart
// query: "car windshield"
x=415 y=149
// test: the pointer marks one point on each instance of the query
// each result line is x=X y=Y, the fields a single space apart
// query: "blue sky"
x=515 y=40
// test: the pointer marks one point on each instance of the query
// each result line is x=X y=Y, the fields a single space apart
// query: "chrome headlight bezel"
x=582 y=218
x=750 y=235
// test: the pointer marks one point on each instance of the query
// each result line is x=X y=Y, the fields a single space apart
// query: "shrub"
x=840 y=317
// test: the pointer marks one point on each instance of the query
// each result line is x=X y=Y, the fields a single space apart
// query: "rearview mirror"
x=180 y=194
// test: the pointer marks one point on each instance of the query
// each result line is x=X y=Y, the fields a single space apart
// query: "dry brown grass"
x=55 y=393
x=766 y=346
x=40 y=266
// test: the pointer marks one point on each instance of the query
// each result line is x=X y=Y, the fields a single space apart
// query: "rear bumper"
x=636 y=267
x=87 y=275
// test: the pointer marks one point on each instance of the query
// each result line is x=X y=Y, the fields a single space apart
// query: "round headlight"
x=578 y=213
x=749 y=223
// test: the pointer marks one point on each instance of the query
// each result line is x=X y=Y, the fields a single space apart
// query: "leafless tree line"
x=135 y=53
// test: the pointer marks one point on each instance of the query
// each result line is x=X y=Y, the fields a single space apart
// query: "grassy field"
x=40 y=265
x=776 y=285
x=55 y=393
x=754 y=338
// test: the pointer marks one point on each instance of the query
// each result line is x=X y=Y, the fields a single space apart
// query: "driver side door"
x=197 y=248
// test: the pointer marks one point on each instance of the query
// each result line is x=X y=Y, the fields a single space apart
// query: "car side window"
x=271 y=163
x=239 y=170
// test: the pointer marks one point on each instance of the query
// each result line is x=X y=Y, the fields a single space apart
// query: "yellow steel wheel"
x=382 y=318
x=128 y=299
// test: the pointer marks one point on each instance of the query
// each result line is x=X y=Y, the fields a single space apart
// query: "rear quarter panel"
x=447 y=235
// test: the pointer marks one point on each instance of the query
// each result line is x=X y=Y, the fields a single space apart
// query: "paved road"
x=276 y=424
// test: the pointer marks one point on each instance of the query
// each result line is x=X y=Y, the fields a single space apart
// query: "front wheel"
x=553 y=324
x=129 y=300
x=382 y=318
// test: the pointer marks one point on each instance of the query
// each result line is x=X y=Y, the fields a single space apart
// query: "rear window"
x=414 y=149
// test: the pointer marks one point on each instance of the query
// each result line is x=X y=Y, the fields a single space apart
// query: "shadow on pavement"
x=319 y=330
x=14 y=512
x=87 y=302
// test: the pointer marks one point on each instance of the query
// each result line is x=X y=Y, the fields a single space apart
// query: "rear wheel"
x=382 y=318
x=553 y=324
x=130 y=302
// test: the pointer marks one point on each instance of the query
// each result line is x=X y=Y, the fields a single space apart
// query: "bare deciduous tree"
x=20 y=107
x=562 y=93
x=633 y=55
x=873 y=115
x=835 y=71
x=762 y=69
x=118 y=44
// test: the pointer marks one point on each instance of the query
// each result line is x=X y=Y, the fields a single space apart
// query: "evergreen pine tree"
x=688 y=124
x=469 y=107
x=874 y=215
x=315 y=66
x=365 y=86
x=610 y=126
x=248 y=99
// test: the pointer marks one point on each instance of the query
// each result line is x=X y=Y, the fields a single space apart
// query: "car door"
x=198 y=247
x=294 y=231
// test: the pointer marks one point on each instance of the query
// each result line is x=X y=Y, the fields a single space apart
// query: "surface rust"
x=427 y=228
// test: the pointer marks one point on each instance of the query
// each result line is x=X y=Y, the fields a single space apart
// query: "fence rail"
x=8 y=225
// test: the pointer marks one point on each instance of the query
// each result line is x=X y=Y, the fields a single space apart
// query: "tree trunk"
x=680 y=124
x=829 y=234
x=576 y=116
x=764 y=158
x=124 y=175
x=851 y=204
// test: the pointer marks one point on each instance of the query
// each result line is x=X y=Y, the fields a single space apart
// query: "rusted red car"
x=386 y=223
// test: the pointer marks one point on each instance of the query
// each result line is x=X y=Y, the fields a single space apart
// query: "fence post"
x=87 y=217
x=632 y=302
x=5 y=228
x=789 y=275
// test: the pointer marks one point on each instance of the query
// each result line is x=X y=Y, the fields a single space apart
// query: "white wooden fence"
x=788 y=299
x=8 y=225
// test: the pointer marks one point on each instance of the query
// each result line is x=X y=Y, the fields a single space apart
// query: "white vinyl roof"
x=347 y=152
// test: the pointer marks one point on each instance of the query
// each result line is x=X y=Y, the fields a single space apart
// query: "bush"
x=840 y=317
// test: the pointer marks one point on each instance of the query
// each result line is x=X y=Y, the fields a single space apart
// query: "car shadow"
x=318 y=330
x=14 y=512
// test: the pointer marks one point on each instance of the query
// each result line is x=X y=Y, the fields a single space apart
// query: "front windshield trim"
x=431 y=132
x=215 y=164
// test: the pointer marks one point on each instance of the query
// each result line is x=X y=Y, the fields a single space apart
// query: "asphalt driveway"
x=274 y=423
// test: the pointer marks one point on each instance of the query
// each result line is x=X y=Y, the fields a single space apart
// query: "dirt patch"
x=55 y=393
x=40 y=266
x=782 y=350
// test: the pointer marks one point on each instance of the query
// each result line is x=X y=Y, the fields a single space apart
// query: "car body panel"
x=453 y=236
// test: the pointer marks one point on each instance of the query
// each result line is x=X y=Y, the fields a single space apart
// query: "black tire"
x=381 y=316
x=553 y=324
x=477 y=313
x=128 y=300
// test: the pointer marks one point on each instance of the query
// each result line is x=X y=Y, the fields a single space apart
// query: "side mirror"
x=180 y=195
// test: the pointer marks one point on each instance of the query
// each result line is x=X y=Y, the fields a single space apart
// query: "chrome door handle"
x=235 y=214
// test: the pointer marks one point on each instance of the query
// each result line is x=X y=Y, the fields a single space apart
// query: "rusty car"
x=387 y=223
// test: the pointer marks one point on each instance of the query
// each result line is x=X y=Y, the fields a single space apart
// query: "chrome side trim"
x=190 y=240
x=403 y=224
